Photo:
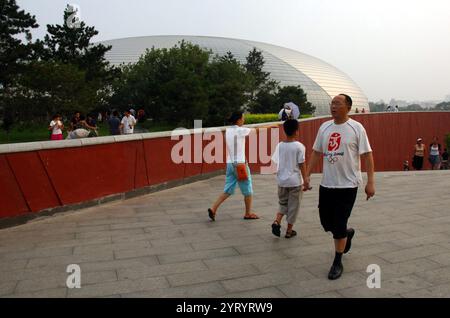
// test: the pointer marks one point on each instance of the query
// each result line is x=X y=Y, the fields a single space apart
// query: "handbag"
x=241 y=171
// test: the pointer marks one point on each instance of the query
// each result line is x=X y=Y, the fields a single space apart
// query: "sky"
x=391 y=48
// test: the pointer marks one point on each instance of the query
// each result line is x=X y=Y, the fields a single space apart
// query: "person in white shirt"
x=127 y=124
x=289 y=156
x=235 y=142
x=56 y=126
x=341 y=142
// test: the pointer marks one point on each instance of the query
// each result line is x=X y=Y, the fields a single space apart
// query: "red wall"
x=36 y=180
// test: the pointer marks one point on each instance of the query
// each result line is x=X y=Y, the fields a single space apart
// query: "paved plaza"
x=163 y=245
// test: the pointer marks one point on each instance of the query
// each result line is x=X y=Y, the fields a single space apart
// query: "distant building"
x=320 y=81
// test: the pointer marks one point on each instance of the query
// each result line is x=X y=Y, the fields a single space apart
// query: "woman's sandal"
x=251 y=216
x=211 y=215
x=290 y=234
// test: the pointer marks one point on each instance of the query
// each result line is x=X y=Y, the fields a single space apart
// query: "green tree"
x=14 y=54
x=377 y=107
x=168 y=83
x=228 y=83
x=414 y=107
x=443 y=106
x=60 y=88
x=259 y=81
x=73 y=45
x=296 y=95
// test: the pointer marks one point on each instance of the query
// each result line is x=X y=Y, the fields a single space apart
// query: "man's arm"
x=370 y=166
x=315 y=157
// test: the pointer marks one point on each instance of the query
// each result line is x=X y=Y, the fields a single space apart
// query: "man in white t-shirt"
x=341 y=142
x=127 y=124
x=235 y=142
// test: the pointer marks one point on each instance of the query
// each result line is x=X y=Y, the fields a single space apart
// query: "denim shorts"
x=231 y=181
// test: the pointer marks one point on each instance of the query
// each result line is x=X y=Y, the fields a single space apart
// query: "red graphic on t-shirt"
x=335 y=142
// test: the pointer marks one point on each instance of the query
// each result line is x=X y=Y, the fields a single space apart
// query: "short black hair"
x=56 y=116
x=348 y=100
x=235 y=116
x=290 y=126
x=116 y=113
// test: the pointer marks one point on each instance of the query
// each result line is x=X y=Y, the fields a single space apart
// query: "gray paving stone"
x=270 y=292
x=211 y=275
x=174 y=249
x=161 y=270
x=8 y=265
x=132 y=263
x=206 y=290
x=412 y=253
x=439 y=291
x=47 y=293
x=266 y=280
x=143 y=243
x=59 y=281
x=7 y=288
x=320 y=285
x=70 y=259
x=443 y=259
x=436 y=276
x=218 y=253
x=237 y=260
x=390 y=287
x=118 y=287
x=38 y=252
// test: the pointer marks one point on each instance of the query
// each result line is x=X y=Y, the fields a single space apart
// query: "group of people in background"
x=81 y=126
x=392 y=109
x=437 y=157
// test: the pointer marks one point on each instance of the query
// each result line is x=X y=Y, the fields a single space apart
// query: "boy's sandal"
x=276 y=229
x=290 y=234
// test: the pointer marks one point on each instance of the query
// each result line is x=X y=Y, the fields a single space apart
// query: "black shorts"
x=335 y=207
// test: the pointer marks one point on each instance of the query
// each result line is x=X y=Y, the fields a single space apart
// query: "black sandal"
x=211 y=215
x=290 y=234
x=276 y=229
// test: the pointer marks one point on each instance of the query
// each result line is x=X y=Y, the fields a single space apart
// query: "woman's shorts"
x=231 y=181
x=434 y=160
x=335 y=207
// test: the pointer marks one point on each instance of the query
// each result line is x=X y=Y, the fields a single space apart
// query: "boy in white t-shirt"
x=289 y=156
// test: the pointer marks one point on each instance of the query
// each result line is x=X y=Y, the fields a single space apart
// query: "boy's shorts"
x=289 y=200
x=231 y=181
x=335 y=207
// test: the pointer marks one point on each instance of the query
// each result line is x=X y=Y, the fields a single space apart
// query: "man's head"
x=115 y=113
x=340 y=106
x=77 y=114
x=237 y=118
x=290 y=127
x=127 y=113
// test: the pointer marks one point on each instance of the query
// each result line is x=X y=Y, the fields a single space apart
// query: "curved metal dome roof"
x=320 y=80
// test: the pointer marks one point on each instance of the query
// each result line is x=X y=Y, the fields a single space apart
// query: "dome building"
x=320 y=80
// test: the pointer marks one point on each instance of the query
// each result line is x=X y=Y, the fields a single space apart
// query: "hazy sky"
x=390 y=48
